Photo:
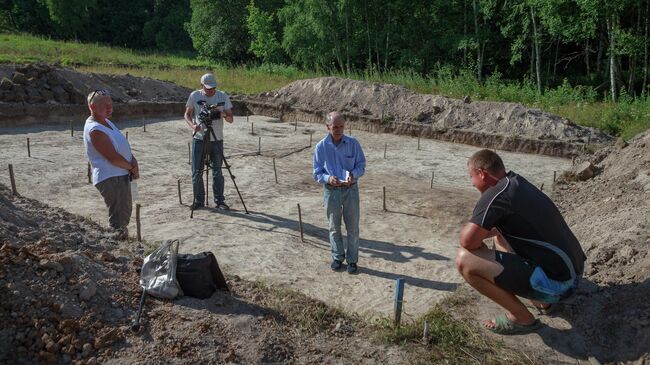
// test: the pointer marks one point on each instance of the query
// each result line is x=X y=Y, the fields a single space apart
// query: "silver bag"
x=158 y=274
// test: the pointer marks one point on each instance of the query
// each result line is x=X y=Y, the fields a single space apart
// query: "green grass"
x=448 y=341
x=310 y=315
x=580 y=104
x=27 y=48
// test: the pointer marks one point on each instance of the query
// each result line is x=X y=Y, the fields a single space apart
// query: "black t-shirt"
x=532 y=225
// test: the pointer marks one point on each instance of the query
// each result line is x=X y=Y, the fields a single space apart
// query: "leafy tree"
x=264 y=42
x=309 y=32
x=165 y=29
x=70 y=17
x=117 y=22
x=25 y=15
x=218 y=30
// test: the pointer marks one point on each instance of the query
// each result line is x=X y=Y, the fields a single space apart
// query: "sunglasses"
x=98 y=92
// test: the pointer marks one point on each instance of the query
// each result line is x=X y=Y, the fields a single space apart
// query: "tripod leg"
x=232 y=177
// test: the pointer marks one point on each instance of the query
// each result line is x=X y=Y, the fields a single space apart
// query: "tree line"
x=602 y=44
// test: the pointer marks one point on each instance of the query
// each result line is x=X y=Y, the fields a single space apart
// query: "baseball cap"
x=209 y=81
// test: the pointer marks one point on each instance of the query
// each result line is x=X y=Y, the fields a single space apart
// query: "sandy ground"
x=415 y=239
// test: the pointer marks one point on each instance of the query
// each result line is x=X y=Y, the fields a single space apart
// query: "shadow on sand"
x=319 y=237
x=610 y=323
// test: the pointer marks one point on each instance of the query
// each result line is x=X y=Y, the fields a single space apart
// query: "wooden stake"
x=29 y=151
x=384 y=198
x=385 y=147
x=259 y=145
x=425 y=334
x=554 y=176
x=275 y=172
x=252 y=129
x=432 y=173
x=295 y=126
x=588 y=140
x=180 y=199
x=71 y=130
x=399 y=295
x=302 y=236
x=13 y=181
x=137 y=221
x=89 y=174
x=418 y=142
x=144 y=125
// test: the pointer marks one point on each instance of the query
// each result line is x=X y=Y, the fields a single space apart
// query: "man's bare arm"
x=189 y=111
x=228 y=115
x=472 y=236
x=104 y=146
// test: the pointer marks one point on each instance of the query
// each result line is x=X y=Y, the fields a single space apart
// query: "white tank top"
x=102 y=169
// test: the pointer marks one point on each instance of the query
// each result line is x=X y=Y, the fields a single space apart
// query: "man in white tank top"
x=113 y=164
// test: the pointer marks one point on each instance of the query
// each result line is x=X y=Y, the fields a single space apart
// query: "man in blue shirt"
x=339 y=162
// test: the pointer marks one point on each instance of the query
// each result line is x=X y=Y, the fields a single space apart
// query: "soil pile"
x=396 y=103
x=609 y=216
x=609 y=213
x=42 y=83
x=68 y=293
x=64 y=294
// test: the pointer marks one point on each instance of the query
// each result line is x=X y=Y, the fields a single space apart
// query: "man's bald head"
x=334 y=117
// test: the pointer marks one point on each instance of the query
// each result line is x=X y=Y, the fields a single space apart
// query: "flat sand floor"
x=415 y=239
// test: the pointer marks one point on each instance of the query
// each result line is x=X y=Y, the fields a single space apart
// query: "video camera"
x=209 y=112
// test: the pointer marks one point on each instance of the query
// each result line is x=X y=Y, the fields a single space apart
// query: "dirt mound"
x=609 y=213
x=396 y=103
x=43 y=83
x=609 y=318
x=64 y=295
x=68 y=293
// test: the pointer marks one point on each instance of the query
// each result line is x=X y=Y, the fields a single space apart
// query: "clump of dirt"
x=42 y=83
x=396 y=103
x=68 y=293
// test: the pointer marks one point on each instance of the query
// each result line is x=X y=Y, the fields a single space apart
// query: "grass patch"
x=308 y=314
x=579 y=104
x=26 y=48
x=234 y=80
x=448 y=340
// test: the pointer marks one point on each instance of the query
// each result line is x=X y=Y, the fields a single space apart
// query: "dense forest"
x=601 y=44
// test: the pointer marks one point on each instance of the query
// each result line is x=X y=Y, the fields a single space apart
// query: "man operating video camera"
x=208 y=107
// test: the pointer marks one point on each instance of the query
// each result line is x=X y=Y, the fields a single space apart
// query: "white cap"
x=209 y=81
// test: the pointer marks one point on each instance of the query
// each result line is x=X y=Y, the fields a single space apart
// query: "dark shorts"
x=515 y=277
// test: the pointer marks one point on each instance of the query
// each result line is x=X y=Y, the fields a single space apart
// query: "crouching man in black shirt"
x=536 y=256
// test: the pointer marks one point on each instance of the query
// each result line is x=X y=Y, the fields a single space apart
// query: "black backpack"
x=199 y=275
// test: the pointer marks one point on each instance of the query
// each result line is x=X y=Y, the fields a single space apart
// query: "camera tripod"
x=206 y=161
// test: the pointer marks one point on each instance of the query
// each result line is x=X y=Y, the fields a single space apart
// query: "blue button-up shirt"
x=331 y=159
